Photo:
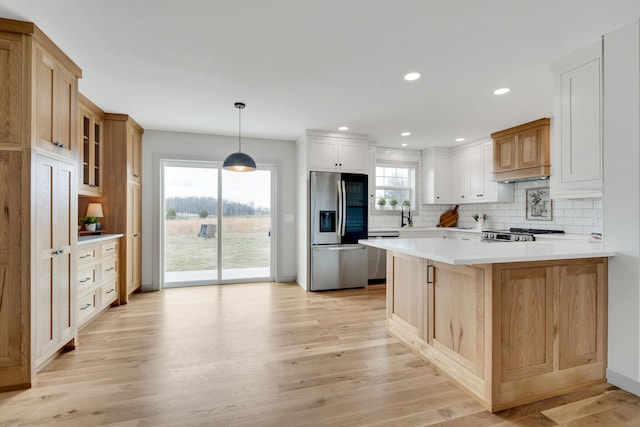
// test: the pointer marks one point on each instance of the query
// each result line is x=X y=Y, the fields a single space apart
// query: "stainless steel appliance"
x=338 y=217
x=378 y=257
x=516 y=234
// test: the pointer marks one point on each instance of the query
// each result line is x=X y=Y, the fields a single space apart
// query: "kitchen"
x=589 y=212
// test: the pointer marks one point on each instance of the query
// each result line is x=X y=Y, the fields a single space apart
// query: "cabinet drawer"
x=109 y=249
x=86 y=279
x=86 y=307
x=87 y=255
x=108 y=293
x=108 y=270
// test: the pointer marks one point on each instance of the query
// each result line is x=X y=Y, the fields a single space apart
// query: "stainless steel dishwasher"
x=377 y=258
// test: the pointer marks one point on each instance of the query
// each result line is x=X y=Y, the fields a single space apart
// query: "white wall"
x=157 y=145
x=622 y=202
x=582 y=216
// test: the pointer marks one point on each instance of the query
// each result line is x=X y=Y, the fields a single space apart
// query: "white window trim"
x=416 y=190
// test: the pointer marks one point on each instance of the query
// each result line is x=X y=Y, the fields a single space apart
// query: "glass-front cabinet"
x=90 y=153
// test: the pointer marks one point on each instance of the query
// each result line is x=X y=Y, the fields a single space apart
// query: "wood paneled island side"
x=510 y=333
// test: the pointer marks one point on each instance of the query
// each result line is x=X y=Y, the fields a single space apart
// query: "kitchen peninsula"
x=511 y=322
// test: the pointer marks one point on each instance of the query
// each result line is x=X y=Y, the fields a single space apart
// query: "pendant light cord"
x=240 y=107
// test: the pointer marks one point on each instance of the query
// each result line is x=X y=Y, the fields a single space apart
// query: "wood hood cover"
x=521 y=153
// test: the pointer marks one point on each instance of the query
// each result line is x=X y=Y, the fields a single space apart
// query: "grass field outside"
x=245 y=243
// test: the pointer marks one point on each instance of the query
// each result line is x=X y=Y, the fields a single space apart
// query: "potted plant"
x=382 y=202
x=406 y=203
x=393 y=203
x=89 y=223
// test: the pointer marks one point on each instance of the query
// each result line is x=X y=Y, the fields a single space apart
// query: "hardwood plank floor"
x=268 y=354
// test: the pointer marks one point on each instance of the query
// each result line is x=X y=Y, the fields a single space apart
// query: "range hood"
x=521 y=153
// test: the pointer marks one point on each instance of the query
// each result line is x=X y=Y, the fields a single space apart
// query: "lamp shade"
x=239 y=162
x=95 y=209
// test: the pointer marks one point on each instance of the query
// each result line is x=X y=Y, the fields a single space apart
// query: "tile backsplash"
x=582 y=216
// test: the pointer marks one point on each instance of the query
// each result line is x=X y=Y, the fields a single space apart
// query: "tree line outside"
x=205 y=206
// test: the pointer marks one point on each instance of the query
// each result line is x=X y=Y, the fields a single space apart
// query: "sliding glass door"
x=216 y=224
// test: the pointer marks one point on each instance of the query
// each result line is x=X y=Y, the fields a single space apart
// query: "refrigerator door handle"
x=343 y=206
x=314 y=192
x=340 y=217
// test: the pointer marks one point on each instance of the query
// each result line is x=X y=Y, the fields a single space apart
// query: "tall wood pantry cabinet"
x=38 y=196
x=123 y=151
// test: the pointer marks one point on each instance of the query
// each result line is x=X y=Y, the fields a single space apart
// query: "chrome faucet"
x=407 y=217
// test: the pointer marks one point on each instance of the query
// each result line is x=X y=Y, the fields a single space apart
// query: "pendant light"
x=239 y=162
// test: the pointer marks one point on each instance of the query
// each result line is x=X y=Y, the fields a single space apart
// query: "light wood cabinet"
x=436 y=176
x=522 y=152
x=122 y=193
x=38 y=192
x=509 y=333
x=337 y=154
x=90 y=157
x=54 y=241
x=97 y=284
x=55 y=105
x=577 y=136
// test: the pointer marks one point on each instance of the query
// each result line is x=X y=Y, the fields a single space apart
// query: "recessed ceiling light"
x=405 y=134
x=343 y=128
x=459 y=139
x=387 y=151
x=501 y=91
x=412 y=76
x=404 y=145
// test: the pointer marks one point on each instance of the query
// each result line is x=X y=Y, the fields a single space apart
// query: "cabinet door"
x=458 y=322
x=489 y=186
x=529 y=151
x=322 y=154
x=436 y=178
x=405 y=302
x=581 y=287
x=459 y=177
x=527 y=322
x=10 y=92
x=90 y=153
x=134 y=239
x=134 y=153
x=352 y=156
x=55 y=99
x=54 y=280
x=580 y=154
x=475 y=166
x=504 y=153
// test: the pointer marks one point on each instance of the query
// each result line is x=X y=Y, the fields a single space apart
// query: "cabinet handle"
x=109 y=249
x=85 y=280
x=430 y=271
x=335 y=164
x=84 y=307
x=135 y=175
x=59 y=144
x=85 y=256
x=110 y=291
x=135 y=235
x=111 y=268
x=58 y=252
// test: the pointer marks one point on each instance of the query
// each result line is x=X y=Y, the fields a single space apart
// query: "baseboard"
x=625 y=383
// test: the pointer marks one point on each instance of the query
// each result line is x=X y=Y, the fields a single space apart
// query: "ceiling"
x=319 y=64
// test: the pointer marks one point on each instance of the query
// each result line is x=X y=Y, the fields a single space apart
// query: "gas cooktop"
x=516 y=234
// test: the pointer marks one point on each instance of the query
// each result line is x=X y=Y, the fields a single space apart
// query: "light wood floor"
x=268 y=354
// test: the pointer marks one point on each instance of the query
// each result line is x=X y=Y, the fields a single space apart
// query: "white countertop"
x=461 y=252
x=94 y=238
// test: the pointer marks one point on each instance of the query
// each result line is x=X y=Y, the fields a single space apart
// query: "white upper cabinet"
x=337 y=154
x=576 y=148
x=462 y=175
x=436 y=176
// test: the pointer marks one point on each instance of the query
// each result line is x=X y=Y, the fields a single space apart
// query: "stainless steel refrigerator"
x=338 y=218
